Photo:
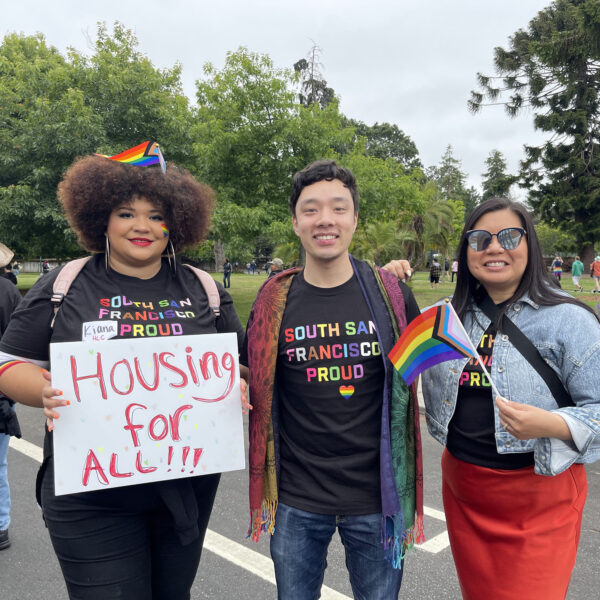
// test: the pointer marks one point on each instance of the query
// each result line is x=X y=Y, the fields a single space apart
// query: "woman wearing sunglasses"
x=514 y=484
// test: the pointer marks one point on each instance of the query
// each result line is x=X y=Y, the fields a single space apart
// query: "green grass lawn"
x=26 y=280
x=244 y=288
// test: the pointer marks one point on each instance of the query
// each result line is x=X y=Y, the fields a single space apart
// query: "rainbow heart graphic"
x=346 y=390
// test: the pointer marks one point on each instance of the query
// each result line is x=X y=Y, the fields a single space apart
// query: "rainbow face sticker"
x=164 y=230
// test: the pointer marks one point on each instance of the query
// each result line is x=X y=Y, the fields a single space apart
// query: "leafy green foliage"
x=553 y=69
x=251 y=136
x=246 y=137
x=53 y=109
x=385 y=140
x=553 y=240
x=496 y=181
x=313 y=87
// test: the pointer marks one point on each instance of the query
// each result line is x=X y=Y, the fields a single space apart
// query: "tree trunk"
x=219 y=252
x=587 y=256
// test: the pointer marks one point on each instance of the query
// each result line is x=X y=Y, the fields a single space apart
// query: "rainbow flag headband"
x=142 y=155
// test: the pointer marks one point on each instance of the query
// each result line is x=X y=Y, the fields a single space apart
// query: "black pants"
x=121 y=543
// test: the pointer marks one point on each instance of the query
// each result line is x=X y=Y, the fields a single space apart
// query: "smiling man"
x=326 y=399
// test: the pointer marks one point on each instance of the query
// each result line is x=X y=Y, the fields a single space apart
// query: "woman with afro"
x=140 y=541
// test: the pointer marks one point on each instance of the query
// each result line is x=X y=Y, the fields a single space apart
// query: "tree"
x=552 y=240
x=387 y=190
x=471 y=198
x=251 y=136
x=458 y=221
x=135 y=100
x=553 y=69
x=54 y=108
x=496 y=181
x=379 y=242
x=438 y=225
x=44 y=123
x=448 y=175
x=451 y=181
x=385 y=140
x=313 y=87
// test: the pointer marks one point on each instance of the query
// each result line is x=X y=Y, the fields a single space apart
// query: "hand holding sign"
x=51 y=400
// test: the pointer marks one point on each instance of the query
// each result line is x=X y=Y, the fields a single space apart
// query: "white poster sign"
x=146 y=410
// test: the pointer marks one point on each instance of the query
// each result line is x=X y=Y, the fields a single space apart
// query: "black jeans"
x=121 y=543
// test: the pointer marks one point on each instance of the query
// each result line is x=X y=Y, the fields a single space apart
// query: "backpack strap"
x=71 y=269
x=63 y=282
x=210 y=287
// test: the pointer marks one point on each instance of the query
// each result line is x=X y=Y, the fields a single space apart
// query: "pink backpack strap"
x=210 y=287
x=63 y=282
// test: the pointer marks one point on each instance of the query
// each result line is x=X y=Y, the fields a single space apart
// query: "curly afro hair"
x=93 y=186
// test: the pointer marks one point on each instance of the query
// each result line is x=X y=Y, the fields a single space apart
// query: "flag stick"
x=474 y=352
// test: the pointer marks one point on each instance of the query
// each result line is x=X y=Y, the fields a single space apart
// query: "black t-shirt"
x=471 y=433
x=329 y=382
x=116 y=306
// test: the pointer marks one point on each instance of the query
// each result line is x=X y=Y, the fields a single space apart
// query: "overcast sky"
x=412 y=63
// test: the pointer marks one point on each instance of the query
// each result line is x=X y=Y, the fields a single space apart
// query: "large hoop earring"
x=106 y=253
x=171 y=251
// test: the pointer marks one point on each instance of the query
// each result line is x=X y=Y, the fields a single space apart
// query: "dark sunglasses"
x=509 y=238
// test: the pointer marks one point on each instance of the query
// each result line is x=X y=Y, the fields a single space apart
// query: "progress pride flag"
x=146 y=410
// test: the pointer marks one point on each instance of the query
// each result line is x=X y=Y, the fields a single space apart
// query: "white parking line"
x=247 y=559
x=436 y=514
x=239 y=555
x=435 y=544
x=252 y=561
x=27 y=448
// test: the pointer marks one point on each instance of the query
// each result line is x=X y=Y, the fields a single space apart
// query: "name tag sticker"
x=98 y=331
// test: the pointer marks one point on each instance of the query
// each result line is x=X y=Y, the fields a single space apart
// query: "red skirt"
x=513 y=534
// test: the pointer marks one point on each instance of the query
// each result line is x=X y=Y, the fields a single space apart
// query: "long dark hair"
x=536 y=281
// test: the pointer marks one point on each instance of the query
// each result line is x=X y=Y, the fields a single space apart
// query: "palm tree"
x=438 y=226
x=430 y=230
x=379 y=242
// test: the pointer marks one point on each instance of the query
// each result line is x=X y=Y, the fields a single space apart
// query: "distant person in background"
x=227 y=268
x=45 y=267
x=576 y=273
x=434 y=273
x=595 y=273
x=253 y=268
x=276 y=267
x=557 y=264
x=447 y=269
x=454 y=269
x=8 y=274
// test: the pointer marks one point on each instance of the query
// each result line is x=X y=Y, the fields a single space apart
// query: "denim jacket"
x=568 y=338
